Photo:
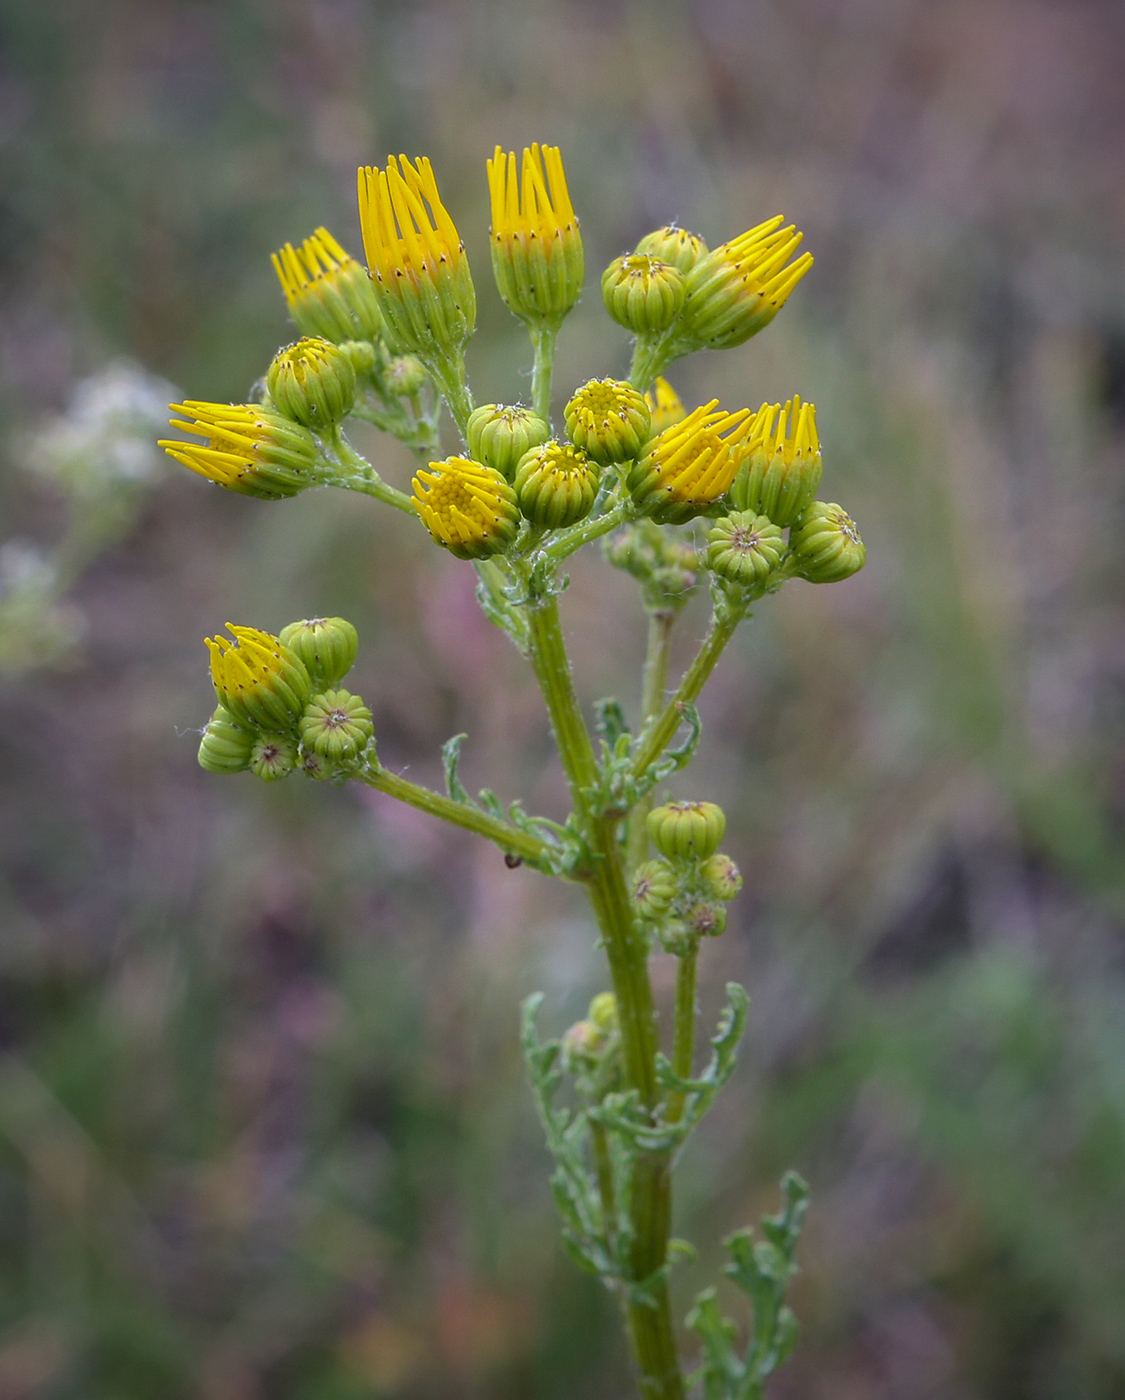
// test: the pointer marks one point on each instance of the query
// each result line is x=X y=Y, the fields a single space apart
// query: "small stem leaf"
x=450 y=757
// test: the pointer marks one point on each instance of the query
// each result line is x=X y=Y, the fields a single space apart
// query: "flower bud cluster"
x=591 y=1049
x=280 y=703
x=682 y=893
x=666 y=566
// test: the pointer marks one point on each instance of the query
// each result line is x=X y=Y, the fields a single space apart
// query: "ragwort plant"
x=677 y=497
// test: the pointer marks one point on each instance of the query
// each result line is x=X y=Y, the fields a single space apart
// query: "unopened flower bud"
x=706 y=919
x=258 y=680
x=404 y=376
x=328 y=291
x=739 y=288
x=673 y=245
x=721 y=876
x=654 y=888
x=608 y=420
x=827 y=544
x=556 y=485
x=362 y=357
x=744 y=548
x=582 y=1044
x=603 y=1011
x=687 y=830
x=642 y=293
x=226 y=745
x=326 y=645
x=499 y=435
x=274 y=756
x=536 y=246
x=783 y=471
x=467 y=507
x=336 y=725
x=249 y=448
x=664 y=405
x=312 y=382
x=690 y=465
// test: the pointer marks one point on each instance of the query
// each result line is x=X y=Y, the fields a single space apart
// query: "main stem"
x=653 y=686
x=649 y=1319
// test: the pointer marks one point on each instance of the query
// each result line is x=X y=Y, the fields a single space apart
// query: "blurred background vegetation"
x=263 y=1128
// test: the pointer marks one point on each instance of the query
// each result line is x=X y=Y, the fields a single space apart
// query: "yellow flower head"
x=609 y=420
x=470 y=509
x=738 y=289
x=257 y=679
x=556 y=485
x=417 y=260
x=784 y=469
x=691 y=464
x=665 y=406
x=247 y=448
x=312 y=382
x=536 y=245
x=328 y=292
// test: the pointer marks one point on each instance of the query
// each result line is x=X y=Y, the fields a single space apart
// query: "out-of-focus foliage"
x=263 y=1130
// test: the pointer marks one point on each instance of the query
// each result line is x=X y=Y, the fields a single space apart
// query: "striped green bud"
x=326 y=645
x=737 y=290
x=687 y=830
x=642 y=293
x=499 y=435
x=744 y=548
x=675 y=246
x=608 y=420
x=721 y=876
x=226 y=745
x=654 y=888
x=274 y=756
x=260 y=681
x=556 y=485
x=337 y=726
x=706 y=919
x=312 y=382
x=827 y=544
x=362 y=356
x=404 y=376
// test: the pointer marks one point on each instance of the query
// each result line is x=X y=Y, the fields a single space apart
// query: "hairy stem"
x=543 y=342
x=649 y=1316
x=363 y=477
x=726 y=617
x=567 y=541
x=653 y=687
x=683 y=1033
x=508 y=838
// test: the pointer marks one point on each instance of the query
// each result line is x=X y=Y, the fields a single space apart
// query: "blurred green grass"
x=263 y=1129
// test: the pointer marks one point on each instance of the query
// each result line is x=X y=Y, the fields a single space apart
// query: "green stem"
x=543 y=339
x=649 y=1319
x=364 y=478
x=603 y=1166
x=726 y=617
x=651 y=357
x=449 y=376
x=683 y=1032
x=654 y=685
x=567 y=541
x=508 y=838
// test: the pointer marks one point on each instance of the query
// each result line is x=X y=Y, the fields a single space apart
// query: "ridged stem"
x=653 y=687
x=683 y=1032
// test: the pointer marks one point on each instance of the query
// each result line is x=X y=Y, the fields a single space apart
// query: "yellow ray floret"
x=735 y=291
x=468 y=508
x=542 y=208
x=327 y=291
x=247 y=448
x=691 y=464
x=319 y=256
x=794 y=434
x=246 y=662
x=536 y=245
x=401 y=236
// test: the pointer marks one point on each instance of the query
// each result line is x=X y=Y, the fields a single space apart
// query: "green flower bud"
x=226 y=746
x=312 y=382
x=690 y=466
x=537 y=255
x=404 y=376
x=642 y=293
x=499 y=435
x=687 y=830
x=603 y=1011
x=556 y=485
x=827 y=544
x=336 y=725
x=328 y=291
x=582 y=1045
x=326 y=645
x=260 y=681
x=654 y=888
x=362 y=356
x=744 y=548
x=721 y=876
x=274 y=756
x=673 y=245
x=608 y=420
x=709 y=920
x=249 y=448
x=783 y=471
